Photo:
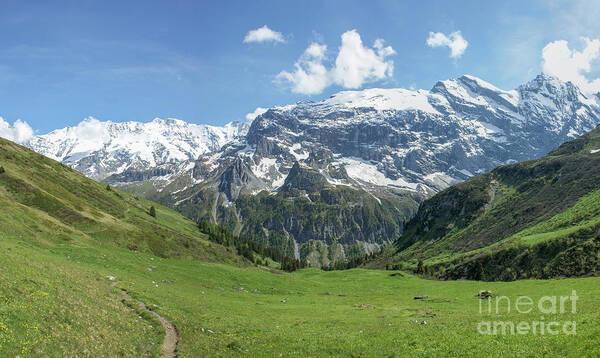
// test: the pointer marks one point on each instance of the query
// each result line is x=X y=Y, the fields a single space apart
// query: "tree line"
x=247 y=248
x=353 y=262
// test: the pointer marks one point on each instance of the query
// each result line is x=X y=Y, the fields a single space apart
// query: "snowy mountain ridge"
x=100 y=149
x=467 y=116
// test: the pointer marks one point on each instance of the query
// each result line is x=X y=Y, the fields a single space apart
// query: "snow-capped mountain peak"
x=100 y=149
x=423 y=139
x=403 y=134
x=382 y=99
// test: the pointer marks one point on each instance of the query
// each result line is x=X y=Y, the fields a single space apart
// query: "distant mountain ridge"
x=321 y=179
x=421 y=140
x=101 y=149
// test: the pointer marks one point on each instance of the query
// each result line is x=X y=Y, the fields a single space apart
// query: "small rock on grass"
x=365 y=305
x=484 y=294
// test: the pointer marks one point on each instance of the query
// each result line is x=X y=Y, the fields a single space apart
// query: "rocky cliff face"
x=348 y=170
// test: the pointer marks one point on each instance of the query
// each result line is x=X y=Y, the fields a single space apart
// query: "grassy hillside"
x=46 y=203
x=539 y=218
x=68 y=246
x=52 y=305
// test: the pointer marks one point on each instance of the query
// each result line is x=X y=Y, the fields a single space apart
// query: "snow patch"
x=384 y=99
x=296 y=151
x=264 y=167
x=488 y=130
x=441 y=180
x=466 y=172
x=573 y=133
x=364 y=171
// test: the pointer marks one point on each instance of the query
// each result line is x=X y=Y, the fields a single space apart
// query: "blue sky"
x=61 y=62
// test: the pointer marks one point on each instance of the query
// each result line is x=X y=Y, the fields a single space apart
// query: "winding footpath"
x=169 y=346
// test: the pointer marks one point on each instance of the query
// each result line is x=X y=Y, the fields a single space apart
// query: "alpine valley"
x=331 y=180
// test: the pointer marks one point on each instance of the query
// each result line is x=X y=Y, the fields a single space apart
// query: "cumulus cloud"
x=90 y=129
x=571 y=65
x=18 y=132
x=355 y=65
x=257 y=112
x=310 y=75
x=454 y=41
x=263 y=34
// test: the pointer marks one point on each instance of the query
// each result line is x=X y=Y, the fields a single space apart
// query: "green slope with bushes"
x=539 y=218
x=47 y=204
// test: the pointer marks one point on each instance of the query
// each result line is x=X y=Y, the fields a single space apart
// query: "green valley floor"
x=61 y=300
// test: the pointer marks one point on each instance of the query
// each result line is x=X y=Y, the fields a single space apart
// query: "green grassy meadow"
x=57 y=301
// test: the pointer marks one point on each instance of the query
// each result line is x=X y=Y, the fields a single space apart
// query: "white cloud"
x=570 y=65
x=310 y=75
x=263 y=34
x=19 y=132
x=357 y=64
x=316 y=51
x=454 y=41
x=90 y=129
x=257 y=112
x=354 y=66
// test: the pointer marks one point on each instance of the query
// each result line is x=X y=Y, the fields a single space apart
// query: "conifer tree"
x=420 y=268
x=479 y=272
